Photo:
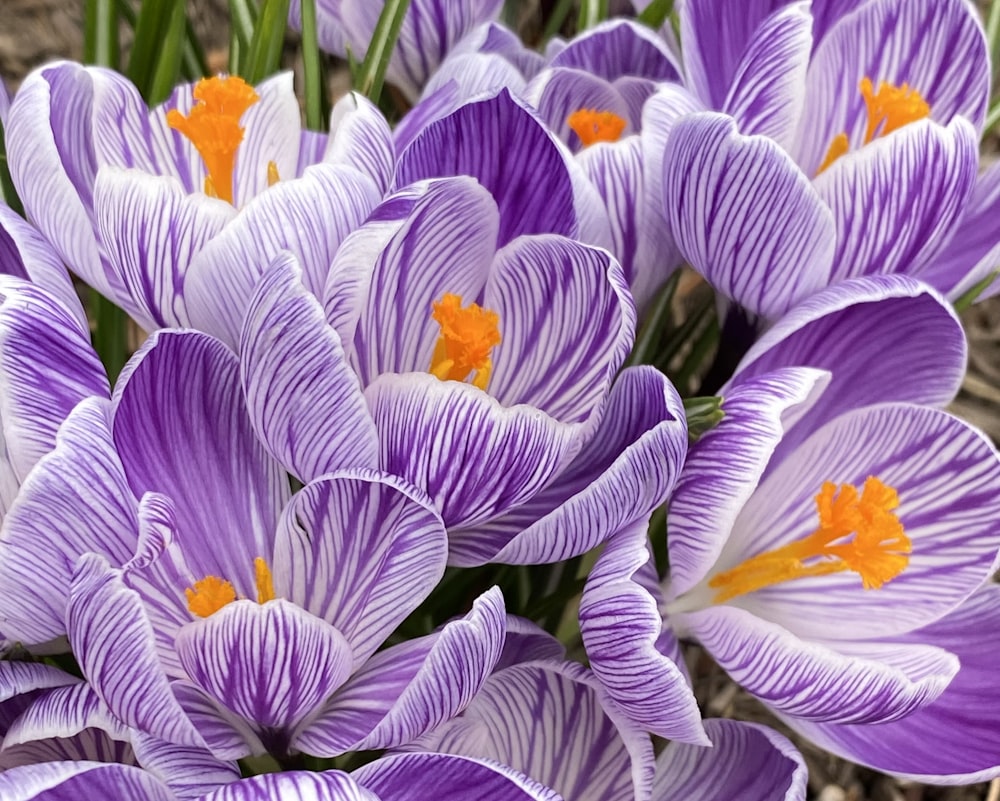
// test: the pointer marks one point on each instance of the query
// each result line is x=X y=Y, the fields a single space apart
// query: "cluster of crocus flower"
x=388 y=375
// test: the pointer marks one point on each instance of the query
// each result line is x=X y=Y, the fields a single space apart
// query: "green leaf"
x=242 y=19
x=7 y=189
x=656 y=13
x=167 y=72
x=110 y=334
x=703 y=414
x=655 y=323
x=969 y=297
x=312 y=70
x=591 y=13
x=193 y=65
x=371 y=75
x=100 y=33
x=156 y=42
x=264 y=55
x=556 y=19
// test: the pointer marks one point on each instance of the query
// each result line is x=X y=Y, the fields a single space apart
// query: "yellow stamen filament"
x=265 y=584
x=467 y=339
x=889 y=109
x=211 y=593
x=272 y=173
x=878 y=552
x=213 y=126
x=593 y=126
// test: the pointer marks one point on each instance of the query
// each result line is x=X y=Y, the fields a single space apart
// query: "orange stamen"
x=467 y=339
x=211 y=593
x=593 y=126
x=213 y=126
x=838 y=147
x=878 y=552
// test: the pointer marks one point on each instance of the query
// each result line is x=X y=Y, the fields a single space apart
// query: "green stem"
x=100 y=37
x=653 y=327
x=656 y=13
x=557 y=19
x=242 y=18
x=264 y=54
x=371 y=74
x=110 y=334
x=591 y=13
x=312 y=69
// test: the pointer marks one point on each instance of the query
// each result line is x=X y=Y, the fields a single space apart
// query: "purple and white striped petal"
x=473 y=74
x=746 y=761
x=953 y=740
x=628 y=646
x=724 y=467
x=309 y=216
x=182 y=429
x=25 y=253
x=330 y=785
x=227 y=735
x=439 y=237
x=47 y=366
x=407 y=776
x=528 y=642
x=152 y=230
x=70 y=781
x=189 y=772
x=626 y=469
x=557 y=93
x=745 y=216
x=303 y=398
x=474 y=457
x=361 y=551
x=855 y=682
x=946 y=474
x=75 y=501
x=885 y=40
x=567 y=322
x=601 y=756
x=64 y=712
x=768 y=86
x=901 y=325
x=115 y=646
x=896 y=201
x=532 y=189
x=272 y=664
x=360 y=138
x=408 y=689
x=617 y=48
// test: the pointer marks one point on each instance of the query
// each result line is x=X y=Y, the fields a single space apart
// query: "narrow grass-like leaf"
x=970 y=296
x=110 y=333
x=167 y=71
x=591 y=13
x=100 y=33
x=655 y=324
x=312 y=69
x=264 y=55
x=242 y=19
x=656 y=13
x=6 y=184
x=149 y=48
x=556 y=19
x=372 y=73
x=193 y=65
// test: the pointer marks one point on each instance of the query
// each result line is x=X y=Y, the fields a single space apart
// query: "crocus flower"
x=230 y=582
x=430 y=29
x=553 y=721
x=815 y=531
x=486 y=366
x=858 y=157
x=137 y=201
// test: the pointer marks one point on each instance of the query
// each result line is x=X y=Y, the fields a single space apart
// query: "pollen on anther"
x=209 y=595
x=465 y=344
x=593 y=126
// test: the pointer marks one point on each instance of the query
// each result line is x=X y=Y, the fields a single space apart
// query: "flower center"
x=213 y=126
x=878 y=552
x=889 y=108
x=593 y=126
x=468 y=336
x=211 y=593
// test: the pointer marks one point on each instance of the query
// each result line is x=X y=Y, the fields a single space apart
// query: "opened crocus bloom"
x=159 y=208
x=832 y=516
x=483 y=365
x=857 y=155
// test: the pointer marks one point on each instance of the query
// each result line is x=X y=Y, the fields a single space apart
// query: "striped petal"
x=408 y=689
x=360 y=551
x=360 y=138
x=75 y=501
x=296 y=380
x=182 y=429
x=857 y=682
x=473 y=141
x=616 y=48
x=628 y=646
x=723 y=468
x=308 y=216
x=474 y=457
x=896 y=201
x=272 y=664
x=557 y=93
x=69 y=781
x=747 y=761
x=330 y=785
x=745 y=216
